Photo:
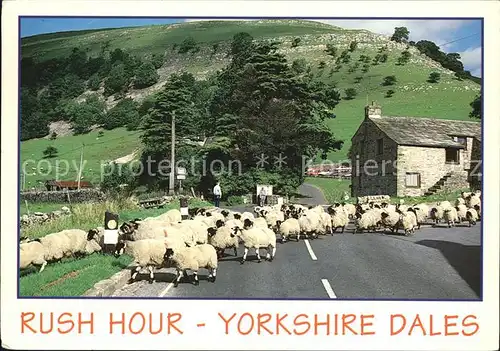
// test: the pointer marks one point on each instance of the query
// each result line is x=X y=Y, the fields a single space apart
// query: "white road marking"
x=164 y=292
x=328 y=288
x=311 y=252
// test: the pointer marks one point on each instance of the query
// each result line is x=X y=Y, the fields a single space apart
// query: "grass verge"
x=72 y=277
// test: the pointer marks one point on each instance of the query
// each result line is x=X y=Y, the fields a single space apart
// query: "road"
x=435 y=263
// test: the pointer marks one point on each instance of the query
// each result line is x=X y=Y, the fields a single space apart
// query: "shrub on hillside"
x=295 y=42
x=119 y=178
x=321 y=65
x=389 y=93
x=331 y=50
x=50 y=152
x=434 y=77
x=145 y=76
x=117 y=81
x=358 y=79
x=188 y=45
x=389 y=80
x=53 y=136
x=157 y=60
x=352 y=46
x=124 y=113
x=94 y=82
x=404 y=58
x=350 y=93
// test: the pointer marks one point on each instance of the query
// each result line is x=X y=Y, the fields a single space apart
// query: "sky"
x=462 y=36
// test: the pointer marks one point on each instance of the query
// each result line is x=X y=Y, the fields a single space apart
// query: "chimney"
x=373 y=111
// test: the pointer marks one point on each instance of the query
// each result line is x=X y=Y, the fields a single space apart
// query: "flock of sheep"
x=199 y=242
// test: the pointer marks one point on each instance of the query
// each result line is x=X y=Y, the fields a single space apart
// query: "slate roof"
x=426 y=132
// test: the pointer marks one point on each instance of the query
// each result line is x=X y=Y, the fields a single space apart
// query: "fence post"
x=110 y=232
x=183 y=201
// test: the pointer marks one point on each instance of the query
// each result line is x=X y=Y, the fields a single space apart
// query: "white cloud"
x=471 y=58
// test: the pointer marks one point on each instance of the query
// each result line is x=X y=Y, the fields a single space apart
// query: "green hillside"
x=413 y=95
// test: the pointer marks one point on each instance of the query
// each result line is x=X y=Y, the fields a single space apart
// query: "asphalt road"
x=435 y=263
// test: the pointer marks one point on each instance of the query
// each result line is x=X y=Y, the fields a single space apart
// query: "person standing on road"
x=262 y=196
x=217 y=194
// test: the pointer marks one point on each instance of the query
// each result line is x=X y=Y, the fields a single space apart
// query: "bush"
x=352 y=46
x=295 y=42
x=434 y=77
x=321 y=65
x=350 y=93
x=404 y=58
x=188 y=45
x=94 y=82
x=145 y=76
x=389 y=93
x=117 y=81
x=331 y=50
x=123 y=113
x=157 y=60
x=389 y=80
x=234 y=200
x=53 y=136
x=50 y=152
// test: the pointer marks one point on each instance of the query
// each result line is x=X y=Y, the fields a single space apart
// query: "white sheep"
x=459 y=201
x=258 y=222
x=199 y=230
x=310 y=223
x=478 y=210
x=274 y=216
x=445 y=204
x=193 y=258
x=83 y=243
x=350 y=209
x=56 y=246
x=408 y=222
x=420 y=214
x=247 y=215
x=220 y=238
x=461 y=212
x=288 y=228
x=171 y=216
x=391 y=220
x=450 y=216
x=32 y=253
x=146 y=253
x=471 y=216
x=326 y=222
x=436 y=214
x=339 y=218
x=256 y=238
x=368 y=220
x=473 y=200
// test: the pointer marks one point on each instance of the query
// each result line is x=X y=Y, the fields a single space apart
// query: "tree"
x=476 y=107
x=295 y=42
x=94 y=82
x=434 y=77
x=53 y=136
x=352 y=46
x=401 y=35
x=263 y=107
x=117 y=81
x=383 y=57
x=331 y=50
x=157 y=60
x=50 y=152
x=389 y=93
x=124 y=113
x=187 y=45
x=404 y=58
x=389 y=80
x=350 y=93
x=299 y=66
x=145 y=76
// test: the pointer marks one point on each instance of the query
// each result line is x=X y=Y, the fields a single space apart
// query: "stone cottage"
x=414 y=156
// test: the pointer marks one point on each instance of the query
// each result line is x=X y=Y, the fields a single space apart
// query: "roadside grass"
x=72 y=277
x=333 y=189
x=44 y=207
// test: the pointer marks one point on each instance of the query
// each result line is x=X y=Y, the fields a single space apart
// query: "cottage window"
x=452 y=156
x=461 y=140
x=412 y=180
x=380 y=146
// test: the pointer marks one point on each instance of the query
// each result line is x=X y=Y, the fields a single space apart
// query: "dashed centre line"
x=309 y=248
x=328 y=289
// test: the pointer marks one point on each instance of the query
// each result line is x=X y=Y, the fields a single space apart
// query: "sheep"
x=338 y=219
x=220 y=238
x=478 y=210
x=445 y=204
x=257 y=222
x=83 y=243
x=171 y=216
x=32 y=253
x=350 y=209
x=366 y=221
x=450 y=216
x=56 y=246
x=436 y=214
x=471 y=216
x=473 y=200
x=256 y=238
x=318 y=209
x=461 y=212
x=136 y=231
x=310 y=223
x=391 y=220
x=274 y=216
x=193 y=258
x=465 y=195
x=146 y=253
x=199 y=230
x=326 y=222
x=246 y=215
x=459 y=201
x=387 y=206
x=420 y=212
x=287 y=228
x=408 y=221
x=234 y=223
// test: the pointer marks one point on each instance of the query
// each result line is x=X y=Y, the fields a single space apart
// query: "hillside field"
x=413 y=95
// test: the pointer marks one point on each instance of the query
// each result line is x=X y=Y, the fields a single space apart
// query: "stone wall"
x=475 y=172
x=372 y=173
x=75 y=196
x=430 y=164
